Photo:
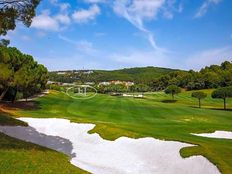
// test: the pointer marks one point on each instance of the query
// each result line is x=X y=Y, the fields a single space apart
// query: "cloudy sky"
x=112 y=34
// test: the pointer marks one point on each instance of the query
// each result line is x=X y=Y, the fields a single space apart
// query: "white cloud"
x=83 y=15
x=45 y=22
x=170 y=8
x=64 y=6
x=137 y=11
x=168 y=15
x=83 y=46
x=204 y=7
x=53 y=1
x=94 y=1
x=63 y=18
x=209 y=57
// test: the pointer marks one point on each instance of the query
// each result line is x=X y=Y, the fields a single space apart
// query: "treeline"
x=142 y=75
x=63 y=78
x=120 y=88
x=213 y=76
x=20 y=75
x=220 y=93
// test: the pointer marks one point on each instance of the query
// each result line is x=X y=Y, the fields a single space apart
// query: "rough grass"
x=119 y=116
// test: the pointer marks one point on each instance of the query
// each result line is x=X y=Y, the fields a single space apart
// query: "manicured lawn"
x=19 y=157
x=153 y=116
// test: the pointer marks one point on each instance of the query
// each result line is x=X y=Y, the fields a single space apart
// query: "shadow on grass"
x=216 y=109
x=168 y=101
x=220 y=109
x=7 y=120
x=197 y=107
x=29 y=134
x=24 y=105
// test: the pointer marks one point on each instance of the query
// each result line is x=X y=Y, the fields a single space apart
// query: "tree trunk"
x=199 y=103
x=14 y=97
x=4 y=93
x=224 y=103
x=172 y=96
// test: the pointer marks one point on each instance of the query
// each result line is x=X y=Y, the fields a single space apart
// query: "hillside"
x=138 y=75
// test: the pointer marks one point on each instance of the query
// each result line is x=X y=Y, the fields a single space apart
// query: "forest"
x=213 y=76
x=20 y=75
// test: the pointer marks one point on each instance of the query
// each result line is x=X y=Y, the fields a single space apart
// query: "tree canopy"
x=12 y=11
x=199 y=95
x=223 y=93
x=173 y=90
x=20 y=73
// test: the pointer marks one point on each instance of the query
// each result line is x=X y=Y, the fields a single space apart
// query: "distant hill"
x=138 y=75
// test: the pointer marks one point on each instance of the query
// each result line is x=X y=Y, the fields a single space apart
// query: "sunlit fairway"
x=153 y=116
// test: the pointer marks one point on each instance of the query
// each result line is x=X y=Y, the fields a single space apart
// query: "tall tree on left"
x=12 y=11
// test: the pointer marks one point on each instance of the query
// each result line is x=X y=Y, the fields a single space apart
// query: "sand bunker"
x=122 y=156
x=217 y=134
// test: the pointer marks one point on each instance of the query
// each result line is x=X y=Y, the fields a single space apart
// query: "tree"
x=4 y=42
x=19 y=72
x=223 y=93
x=6 y=72
x=173 y=90
x=12 y=11
x=141 y=88
x=199 y=95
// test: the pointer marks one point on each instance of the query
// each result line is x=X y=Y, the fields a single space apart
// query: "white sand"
x=122 y=156
x=217 y=134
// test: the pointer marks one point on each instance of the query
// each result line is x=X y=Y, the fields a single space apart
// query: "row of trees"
x=20 y=73
x=120 y=88
x=220 y=93
x=213 y=76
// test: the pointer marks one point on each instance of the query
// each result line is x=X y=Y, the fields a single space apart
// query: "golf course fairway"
x=153 y=116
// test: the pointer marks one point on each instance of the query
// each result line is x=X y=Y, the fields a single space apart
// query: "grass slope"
x=19 y=157
x=152 y=116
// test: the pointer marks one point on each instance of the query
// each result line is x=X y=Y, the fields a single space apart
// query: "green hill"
x=138 y=75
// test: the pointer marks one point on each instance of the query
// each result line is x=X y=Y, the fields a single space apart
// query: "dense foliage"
x=143 y=75
x=12 y=11
x=173 y=90
x=223 y=93
x=213 y=76
x=20 y=73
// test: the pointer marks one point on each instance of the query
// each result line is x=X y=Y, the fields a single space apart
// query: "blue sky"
x=113 y=34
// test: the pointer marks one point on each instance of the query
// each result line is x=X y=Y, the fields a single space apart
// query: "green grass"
x=6 y=120
x=119 y=116
x=19 y=157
